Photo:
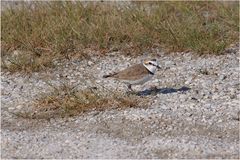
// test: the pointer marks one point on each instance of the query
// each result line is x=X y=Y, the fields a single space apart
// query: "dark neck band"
x=151 y=73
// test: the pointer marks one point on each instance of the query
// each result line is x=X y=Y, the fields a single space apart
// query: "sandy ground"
x=193 y=113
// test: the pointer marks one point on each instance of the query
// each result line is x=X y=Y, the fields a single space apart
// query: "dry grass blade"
x=66 y=101
x=26 y=61
x=62 y=29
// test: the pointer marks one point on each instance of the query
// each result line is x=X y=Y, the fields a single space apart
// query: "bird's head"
x=152 y=65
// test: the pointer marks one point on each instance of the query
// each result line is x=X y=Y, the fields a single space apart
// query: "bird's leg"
x=131 y=91
x=130 y=87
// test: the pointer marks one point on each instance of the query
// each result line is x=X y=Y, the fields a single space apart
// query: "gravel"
x=193 y=111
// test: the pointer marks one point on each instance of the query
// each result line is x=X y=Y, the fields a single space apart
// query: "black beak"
x=158 y=67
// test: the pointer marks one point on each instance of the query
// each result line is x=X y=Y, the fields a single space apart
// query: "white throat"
x=150 y=68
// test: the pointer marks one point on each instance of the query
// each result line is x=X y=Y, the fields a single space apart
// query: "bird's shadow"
x=155 y=91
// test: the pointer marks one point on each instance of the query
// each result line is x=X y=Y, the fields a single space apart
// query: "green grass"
x=63 y=29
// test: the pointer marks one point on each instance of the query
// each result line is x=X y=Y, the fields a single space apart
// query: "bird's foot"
x=153 y=88
x=131 y=92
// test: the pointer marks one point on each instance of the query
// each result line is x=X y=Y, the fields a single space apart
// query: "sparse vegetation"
x=26 y=61
x=67 y=101
x=62 y=29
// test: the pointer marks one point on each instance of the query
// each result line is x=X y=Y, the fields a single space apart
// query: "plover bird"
x=136 y=74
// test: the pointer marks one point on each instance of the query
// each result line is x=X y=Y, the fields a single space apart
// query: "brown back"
x=132 y=73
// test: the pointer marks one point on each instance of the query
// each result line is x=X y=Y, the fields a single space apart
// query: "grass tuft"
x=66 y=101
x=25 y=61
x=63 y=29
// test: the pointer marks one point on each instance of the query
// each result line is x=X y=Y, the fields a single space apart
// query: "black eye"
x=151 y=63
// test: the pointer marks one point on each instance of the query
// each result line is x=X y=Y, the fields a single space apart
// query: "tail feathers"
x=109 y=75
x=106 y=76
